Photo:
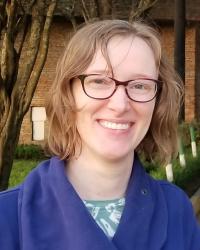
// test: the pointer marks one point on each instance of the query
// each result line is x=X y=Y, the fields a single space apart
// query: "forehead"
x=129 y=55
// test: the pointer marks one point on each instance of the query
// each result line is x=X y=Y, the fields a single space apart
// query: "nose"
x=119 y=101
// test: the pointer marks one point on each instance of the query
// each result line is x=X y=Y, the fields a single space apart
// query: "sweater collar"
x=52 y=215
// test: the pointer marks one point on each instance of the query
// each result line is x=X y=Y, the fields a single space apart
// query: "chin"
x=117 y=156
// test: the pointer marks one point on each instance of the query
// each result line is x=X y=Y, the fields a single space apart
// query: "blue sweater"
x=46 y=213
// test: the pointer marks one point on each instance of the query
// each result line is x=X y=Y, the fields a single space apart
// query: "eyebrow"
x=100 y=71
x=141 y=76
x=108 y=73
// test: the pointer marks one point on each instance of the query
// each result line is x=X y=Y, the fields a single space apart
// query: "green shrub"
x=29 y=152
x=187 y=178
x=185 y=132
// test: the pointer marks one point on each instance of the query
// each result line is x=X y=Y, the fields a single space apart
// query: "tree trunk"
x=19 y=74
x=179 y=49
x=8 y=141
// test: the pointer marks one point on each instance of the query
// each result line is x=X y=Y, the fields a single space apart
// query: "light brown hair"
x=160 y=141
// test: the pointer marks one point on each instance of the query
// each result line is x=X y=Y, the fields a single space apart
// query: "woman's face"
x=111 y=129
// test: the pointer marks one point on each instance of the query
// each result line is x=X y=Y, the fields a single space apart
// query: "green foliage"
x=187 y=178
x=29 y=152
x=184 y=132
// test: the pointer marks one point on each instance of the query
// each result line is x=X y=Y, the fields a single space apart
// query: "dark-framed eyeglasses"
x=102 y=87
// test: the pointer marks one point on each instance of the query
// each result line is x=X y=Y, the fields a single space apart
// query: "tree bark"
x=8 y=141
x=19 y=75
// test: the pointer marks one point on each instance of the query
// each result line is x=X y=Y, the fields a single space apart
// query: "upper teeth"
x=114 y=125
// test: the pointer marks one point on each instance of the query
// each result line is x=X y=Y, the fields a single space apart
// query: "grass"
x=20 y=170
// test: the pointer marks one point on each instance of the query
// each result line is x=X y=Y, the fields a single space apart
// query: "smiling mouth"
x=114 y=125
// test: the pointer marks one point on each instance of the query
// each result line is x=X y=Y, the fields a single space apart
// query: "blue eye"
x=99 y=81
x=139 y=86
x=142 y=86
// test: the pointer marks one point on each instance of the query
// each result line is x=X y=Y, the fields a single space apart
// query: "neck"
x=99 y=179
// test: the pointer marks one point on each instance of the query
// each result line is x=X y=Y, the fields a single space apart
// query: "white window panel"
x=38 y=114
x=38 y=119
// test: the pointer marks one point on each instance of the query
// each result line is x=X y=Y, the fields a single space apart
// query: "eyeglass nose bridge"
x=118 y=83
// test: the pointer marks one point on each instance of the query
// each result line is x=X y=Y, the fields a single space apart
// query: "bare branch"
x=85 y=12
x=89 y=10
x=31 y=52
x=74 y=24
x=26 y=5
x=72 y=17
x=68 y=11
x=146 y=4
x=44 y=43
x=140 y=9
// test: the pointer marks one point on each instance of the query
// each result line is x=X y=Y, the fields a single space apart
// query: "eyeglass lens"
x=102 y=87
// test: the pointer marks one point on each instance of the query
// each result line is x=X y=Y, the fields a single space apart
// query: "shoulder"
x=170 y=190
x=181 y=217
x=9 y=236
x=8 y=206
x=8 y=200
x=12 y=200
x=178 y=202
x=175 y=198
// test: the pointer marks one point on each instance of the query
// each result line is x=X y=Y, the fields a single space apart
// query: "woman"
x=114 y=97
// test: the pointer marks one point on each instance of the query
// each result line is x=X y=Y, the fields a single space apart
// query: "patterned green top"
x=107 y=214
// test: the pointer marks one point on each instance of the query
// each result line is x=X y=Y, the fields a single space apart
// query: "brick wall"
x=60 y=35
x=190 y=74
x=197 y=70
x=190 y=65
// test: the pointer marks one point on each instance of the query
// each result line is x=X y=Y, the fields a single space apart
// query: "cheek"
x=145 y=112
x=78 y=95
x=144 y=123
x=82 y=125
x=149 y=119
x=84 y=116
x=149 y=113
